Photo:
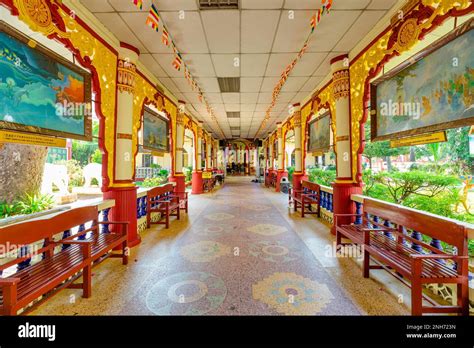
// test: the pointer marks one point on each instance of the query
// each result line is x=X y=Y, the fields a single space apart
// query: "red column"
x=280 y=174
x=342 y=203
x=125 y=209
x=297 y=177
x=180 y=181
x=197 y=182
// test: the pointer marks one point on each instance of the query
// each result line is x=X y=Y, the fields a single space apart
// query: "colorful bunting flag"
x=153 y=18
x=165 y=38
x=177 y=62
x=138 y=3
x=313 y=23
x=326 y=5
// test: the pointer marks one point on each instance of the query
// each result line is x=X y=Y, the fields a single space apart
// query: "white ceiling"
x=260 y=34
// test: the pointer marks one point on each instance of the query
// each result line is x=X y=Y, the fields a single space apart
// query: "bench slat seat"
x=388 y=250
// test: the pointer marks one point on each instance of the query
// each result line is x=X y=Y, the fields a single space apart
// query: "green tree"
x=381 y=149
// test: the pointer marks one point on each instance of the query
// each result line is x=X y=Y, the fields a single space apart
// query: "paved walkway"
x=239 y=252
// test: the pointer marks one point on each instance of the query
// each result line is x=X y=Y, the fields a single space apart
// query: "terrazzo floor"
x=239 y=251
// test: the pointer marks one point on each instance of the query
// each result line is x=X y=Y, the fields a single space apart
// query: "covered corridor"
x=239 y=252
x=310 y=158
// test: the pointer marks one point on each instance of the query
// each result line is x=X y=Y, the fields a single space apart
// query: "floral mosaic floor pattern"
x=238 y=257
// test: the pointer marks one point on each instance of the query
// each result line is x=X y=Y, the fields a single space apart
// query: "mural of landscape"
x=435 y=93
x=320 y=134
x=33 y=84
x=155 y=132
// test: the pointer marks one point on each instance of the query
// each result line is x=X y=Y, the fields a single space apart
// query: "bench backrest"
x=431 y=225
x=28 y=232
x=160 y=191
x=14 y=237
x=310 y=186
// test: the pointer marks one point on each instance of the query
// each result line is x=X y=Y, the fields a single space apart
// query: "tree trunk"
x=412 y=154
x=21 y=170
x=389 y=163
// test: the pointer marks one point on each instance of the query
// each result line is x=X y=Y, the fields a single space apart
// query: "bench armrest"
x=78 y=242
x=9 y=281
x=123 y=223
x=438 y=256
x=335 y=216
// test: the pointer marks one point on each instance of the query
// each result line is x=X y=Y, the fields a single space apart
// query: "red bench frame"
x=41 y=278
x=403 y=261
x=301 y=198
x=163 y=200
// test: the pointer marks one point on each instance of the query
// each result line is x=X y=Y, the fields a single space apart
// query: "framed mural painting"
x=319 y=134
x=430 y=92
x=156 y=136
x=40 y=91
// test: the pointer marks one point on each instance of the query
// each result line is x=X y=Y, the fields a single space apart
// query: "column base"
x=280 y=174
x=180 y=181
x=125 y=209
x=297 y=178
x=342 y=203
x=197 y=183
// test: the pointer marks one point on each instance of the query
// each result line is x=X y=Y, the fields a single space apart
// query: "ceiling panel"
x=360 y=28
x=224 y=65
x=258 y=30
x=120 y=28
x=222 y=30
x=149 y=61
x=260 y=37
x=248 y=98
x=199 y=65
x=253 y=64
x=292 y=31
x=261 y=4
x=381 y=4
x=250 y=84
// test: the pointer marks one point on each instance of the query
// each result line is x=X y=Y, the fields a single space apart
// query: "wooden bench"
x=163 y=200
x=384 y=237
x=305 y=197
x=57 y=262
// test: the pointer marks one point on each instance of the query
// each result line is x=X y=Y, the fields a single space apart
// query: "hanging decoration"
x=153 y=18
x=165 y=38
x=138 y=3
x=153 y=21
x=315 y=19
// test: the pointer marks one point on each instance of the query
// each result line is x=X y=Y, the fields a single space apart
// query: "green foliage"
x=401 y=185
x=34 y=203
x=320 y=176
x=152 y=182
x=96 y=157
x=7 y=210
x=290 y=170
x=74 y=171
x=188 y=172
x=82 y=151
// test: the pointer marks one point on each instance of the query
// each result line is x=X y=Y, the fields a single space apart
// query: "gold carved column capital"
x=126 y=76
x=341 y=84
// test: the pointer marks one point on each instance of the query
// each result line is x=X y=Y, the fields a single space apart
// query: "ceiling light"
x=218 y=4
x=229 y=84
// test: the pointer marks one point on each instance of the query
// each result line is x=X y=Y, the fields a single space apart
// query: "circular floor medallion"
x=186 y=293
x=292 y=294
x=267 y=229
x=204 y=251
